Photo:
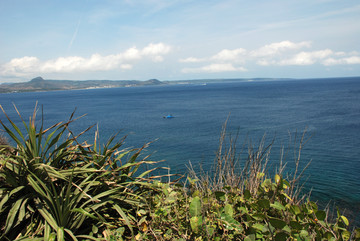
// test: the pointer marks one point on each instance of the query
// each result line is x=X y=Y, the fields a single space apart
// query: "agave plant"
x=53 y=187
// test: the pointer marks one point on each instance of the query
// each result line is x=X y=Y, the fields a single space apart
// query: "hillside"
x=40 y=84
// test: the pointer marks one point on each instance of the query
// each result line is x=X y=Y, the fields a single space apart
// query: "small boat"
x=168 y=116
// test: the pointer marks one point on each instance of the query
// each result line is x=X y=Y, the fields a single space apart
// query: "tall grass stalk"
x=237 y=199
x=229 y=170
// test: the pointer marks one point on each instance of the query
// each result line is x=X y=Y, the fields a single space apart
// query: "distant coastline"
x=39 y=84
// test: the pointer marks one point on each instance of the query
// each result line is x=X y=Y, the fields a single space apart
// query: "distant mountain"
x=40 y=84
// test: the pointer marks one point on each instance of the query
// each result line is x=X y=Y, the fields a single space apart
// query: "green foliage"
x=269 y=214
x=54 y=188
x=240 y=205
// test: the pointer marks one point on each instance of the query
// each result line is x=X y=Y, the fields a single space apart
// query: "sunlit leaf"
x=229 y=210
x=195 y=207
x=345 y=220
x=277 y=206
x=195 y=223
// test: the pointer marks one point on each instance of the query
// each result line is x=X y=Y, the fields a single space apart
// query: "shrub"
x=241 y=202
x=52 y=186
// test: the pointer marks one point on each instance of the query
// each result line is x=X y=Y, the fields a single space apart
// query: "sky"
x=178 y=39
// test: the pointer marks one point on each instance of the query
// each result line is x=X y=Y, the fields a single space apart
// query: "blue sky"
x=174 y=40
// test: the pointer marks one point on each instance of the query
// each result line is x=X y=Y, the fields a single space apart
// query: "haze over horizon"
x=172 y=40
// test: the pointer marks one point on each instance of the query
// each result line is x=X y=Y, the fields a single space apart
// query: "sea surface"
x=328 y=109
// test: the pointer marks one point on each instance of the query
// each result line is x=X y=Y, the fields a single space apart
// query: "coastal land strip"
x=40 y=84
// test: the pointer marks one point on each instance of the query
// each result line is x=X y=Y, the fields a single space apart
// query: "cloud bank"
x=284 y=53
x=214 y=68
x=28 y=65
x=281 y=54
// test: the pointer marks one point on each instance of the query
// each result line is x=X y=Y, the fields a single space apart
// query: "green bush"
x=240 y=202
x=52 y=187
x=177 y=213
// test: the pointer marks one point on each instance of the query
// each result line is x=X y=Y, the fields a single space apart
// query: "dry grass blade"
x=230 y=171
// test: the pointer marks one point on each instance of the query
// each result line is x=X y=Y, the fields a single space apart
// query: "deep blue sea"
x=328 y=108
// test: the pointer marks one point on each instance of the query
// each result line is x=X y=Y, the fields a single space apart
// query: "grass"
x=54 y=188
x=3 y=140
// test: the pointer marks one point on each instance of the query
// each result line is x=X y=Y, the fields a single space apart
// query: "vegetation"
x=40 y=84
x=52 y=187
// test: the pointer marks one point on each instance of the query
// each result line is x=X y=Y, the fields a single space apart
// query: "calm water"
x=328 y=108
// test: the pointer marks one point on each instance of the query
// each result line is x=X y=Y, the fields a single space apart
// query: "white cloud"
x=348 y=60
x=229 y=55
x=214 y=68
x=284 y=53
x=223 y=61
x=191 y=60
x=265 y=62
x=271 y=54
x=19 y=65
x=26 y=66
x=352 y=60
x=325 y=57
x=156 y=51
x=224 y=55
x=132 y=54
x=307 y=58
x=277 y=48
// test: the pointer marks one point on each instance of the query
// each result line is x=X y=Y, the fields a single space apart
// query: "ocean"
x=328 y=109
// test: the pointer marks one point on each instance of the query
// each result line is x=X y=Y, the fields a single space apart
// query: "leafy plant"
x=241 y=202
x=52 y=186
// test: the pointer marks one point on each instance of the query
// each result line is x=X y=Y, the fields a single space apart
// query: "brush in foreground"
x=54 y=188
